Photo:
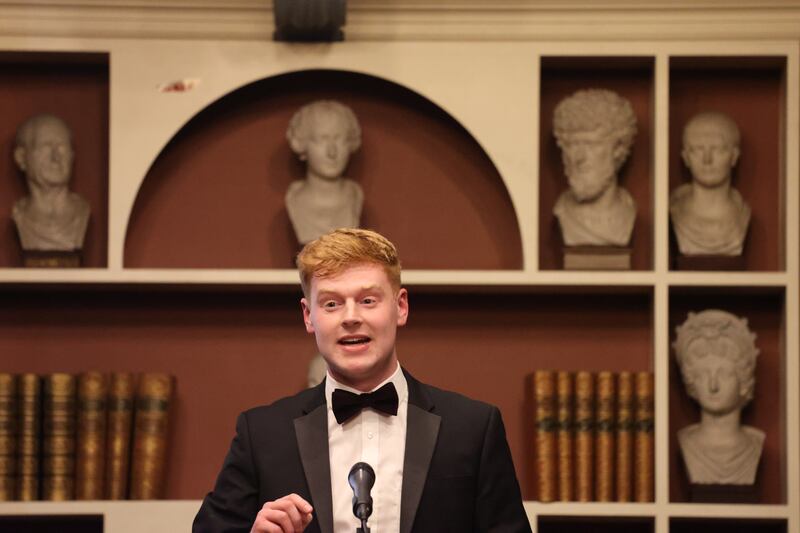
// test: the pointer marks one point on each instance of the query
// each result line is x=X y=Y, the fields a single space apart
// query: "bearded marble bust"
x=324 y=134
x=51 y=217
x=709 y=216
x=594 y=129
x=717 y=355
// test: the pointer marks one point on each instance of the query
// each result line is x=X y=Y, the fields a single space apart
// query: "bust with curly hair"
x=594 y=129
x=716 y=353
x=323 y=134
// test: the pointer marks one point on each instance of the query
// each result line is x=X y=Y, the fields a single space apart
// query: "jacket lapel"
x=311 y=430
x=422 y=430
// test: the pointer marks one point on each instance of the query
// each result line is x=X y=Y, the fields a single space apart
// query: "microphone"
x=361 y=479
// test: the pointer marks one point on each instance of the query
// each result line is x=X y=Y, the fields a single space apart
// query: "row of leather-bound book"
x=90 y=436
x=594 y=436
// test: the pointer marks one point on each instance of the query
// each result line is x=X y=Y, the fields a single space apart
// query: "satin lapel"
x=312 y=442
x=422 y=430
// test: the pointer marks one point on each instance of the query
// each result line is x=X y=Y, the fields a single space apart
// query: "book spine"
x=545 y=435
x=120 y=421
x=565 y=392
x=643 y=482
x=58 y=444
x=604 y=438
x=8 y=437
x=625 y=427
x=90 y=436
x=584 y=430
x=29 y=431
x=151 y=419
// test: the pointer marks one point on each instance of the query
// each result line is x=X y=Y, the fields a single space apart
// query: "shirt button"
x=369 y=435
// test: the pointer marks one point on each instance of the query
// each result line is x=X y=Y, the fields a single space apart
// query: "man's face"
x=589 y=163
x=709 y=154
x=354 y=317
x=716 y=384
x=48 y=158
x=327 y=148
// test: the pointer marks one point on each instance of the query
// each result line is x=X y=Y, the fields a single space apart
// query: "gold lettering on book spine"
x=150 y=436
x=545 y=435
x=120 y=420
x=58 y=412
x=29 y=391
x=643 y=483
x=8 y=437
x=604 y=430
x=625 y=425
x=584 y=430
x=91 y=436
x=565 y=393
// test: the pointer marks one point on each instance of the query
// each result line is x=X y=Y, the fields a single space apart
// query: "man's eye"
x=329 y=304
x=369 y=300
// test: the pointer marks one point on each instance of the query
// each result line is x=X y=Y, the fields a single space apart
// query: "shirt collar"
x=398 y=378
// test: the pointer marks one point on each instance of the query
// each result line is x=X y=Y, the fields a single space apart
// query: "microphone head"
x=361 y=479
x=361 y=475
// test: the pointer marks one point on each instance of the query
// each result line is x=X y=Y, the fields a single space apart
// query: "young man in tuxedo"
x=441 y=460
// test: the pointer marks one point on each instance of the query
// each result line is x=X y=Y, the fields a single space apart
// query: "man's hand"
x=290 y=514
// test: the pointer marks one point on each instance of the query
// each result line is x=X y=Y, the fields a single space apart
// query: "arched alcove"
x=214 y=197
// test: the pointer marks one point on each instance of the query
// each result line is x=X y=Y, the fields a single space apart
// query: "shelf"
x=117 y=516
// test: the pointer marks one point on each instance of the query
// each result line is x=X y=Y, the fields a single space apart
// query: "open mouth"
x=354 y=341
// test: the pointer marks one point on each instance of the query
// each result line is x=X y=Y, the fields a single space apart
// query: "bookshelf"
x=222 y=327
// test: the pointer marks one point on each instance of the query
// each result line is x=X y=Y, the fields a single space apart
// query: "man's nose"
x=713 y=383
x=332 y=149
x=707 y=156
x=351 y=313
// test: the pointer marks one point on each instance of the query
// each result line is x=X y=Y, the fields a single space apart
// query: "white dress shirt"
x=377 y=439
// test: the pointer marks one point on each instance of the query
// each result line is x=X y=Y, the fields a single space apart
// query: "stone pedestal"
x=597 y=258
x=709 y=262
x=51 y=259
x=713 y=493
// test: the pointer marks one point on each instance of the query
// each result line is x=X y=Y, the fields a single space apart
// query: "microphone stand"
x=363 y=528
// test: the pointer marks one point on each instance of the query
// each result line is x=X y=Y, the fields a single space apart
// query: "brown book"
x=90 y=436
x=29 y=432
x=565 y=393
x=120 y=423
x=643 y=478
x=8 y=437
x=544 y=389
x=58 y=437
x=151 y=419
x=625 y=425
x=584 y=435
x=604 y=438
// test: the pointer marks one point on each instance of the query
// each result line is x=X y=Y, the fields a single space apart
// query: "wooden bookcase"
x=190 y=270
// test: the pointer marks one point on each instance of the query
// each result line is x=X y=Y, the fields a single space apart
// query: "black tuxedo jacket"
x=457 y=474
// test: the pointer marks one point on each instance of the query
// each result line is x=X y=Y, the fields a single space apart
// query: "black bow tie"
x=346 y=404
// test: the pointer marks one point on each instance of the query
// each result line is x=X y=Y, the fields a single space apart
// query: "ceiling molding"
x=406 y=20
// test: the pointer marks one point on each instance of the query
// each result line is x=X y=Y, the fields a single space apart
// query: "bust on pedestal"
x=595 y=129
x=51 y=221
x=709 y=217
x=324 y=134
x=717 y=355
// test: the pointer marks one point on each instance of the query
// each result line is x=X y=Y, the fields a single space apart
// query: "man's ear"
x=402 y=307
x=298 y=146
x=306 y=315
x=736 y=153
x=685 y=157
x=19 y=157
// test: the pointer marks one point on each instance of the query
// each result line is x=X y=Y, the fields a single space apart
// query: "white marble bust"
x=717 y=355
x=324 y=134
x=51 y=217
x=709 y=216
x=595 y=129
